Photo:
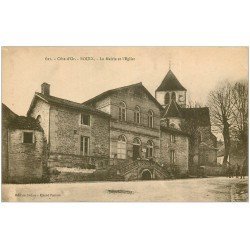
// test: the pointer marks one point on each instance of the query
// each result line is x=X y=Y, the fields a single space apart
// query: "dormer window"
x=85 y=119
x=137 y=115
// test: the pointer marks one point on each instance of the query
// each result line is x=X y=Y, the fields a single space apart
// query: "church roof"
x=172 y=110
x=200 y=115
x=170 y=82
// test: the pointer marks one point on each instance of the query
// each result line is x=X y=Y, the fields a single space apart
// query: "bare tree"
x=240 y=114
x=221 y=110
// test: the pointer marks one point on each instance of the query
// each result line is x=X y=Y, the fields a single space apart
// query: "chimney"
x=45 y=88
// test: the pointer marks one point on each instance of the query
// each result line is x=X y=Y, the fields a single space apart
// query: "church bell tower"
x=171 y=89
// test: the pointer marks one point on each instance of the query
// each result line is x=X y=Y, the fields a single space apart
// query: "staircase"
x=126 y=168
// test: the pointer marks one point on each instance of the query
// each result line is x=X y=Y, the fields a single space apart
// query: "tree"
x=240 y=115
x=221 y=110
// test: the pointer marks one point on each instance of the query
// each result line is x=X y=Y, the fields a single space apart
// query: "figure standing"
x=238 y=170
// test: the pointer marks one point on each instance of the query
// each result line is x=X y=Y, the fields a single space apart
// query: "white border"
x=132 y=225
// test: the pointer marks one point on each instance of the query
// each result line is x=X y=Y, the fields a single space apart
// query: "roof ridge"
x=111 y=90
x=72 y=104
x=170 y=82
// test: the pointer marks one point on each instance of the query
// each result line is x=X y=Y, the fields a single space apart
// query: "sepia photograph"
x=125 y=124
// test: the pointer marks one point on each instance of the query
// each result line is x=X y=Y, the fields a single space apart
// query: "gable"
x=170 y=82
x=63 y=103
x=136 y=90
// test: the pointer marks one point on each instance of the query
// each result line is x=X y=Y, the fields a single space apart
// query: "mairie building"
x=126 y=130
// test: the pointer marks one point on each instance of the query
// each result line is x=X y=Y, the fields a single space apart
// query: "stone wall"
x=131 y=132
x=134 y=97
x=210 y=140
x=66 y=132
x=43 y=109
x=104 y=105
x=27 y=161
x=181 y=148
x=7 y=117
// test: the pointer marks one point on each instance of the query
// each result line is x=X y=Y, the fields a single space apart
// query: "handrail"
x=135 y=164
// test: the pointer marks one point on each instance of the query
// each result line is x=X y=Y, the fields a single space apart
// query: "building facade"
x=126 y=129
x=194 y=121
x=24 y=155
x=77 y=135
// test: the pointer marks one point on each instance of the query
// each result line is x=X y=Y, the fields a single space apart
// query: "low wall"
x=77 y=161
x=215 y=171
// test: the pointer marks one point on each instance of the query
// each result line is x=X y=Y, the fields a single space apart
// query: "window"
x=137 y=115
x=84 y=145
x=27 y=137
x=121 y=147
x=149 y=152
x=172 y=138
x=173 y=96
x=122 y=111
x=172 y=156
x=85 y=119
x=137 y=141
x=167 y=98
x=150 y=119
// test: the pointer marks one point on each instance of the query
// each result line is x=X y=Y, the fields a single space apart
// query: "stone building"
x=127 y=130
x=194 y=121
x=77 y=135
x=140 y=145
x=23 y=149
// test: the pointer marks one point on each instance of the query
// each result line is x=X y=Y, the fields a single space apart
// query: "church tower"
x=171 y=89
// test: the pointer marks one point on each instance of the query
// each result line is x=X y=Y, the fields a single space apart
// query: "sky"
x=199 y=69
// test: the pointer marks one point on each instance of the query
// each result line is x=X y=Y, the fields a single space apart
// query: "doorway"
x=136 y=152
x=136 y=148
x=146 y=175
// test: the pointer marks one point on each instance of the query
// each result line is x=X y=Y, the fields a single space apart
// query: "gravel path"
x=220 y=189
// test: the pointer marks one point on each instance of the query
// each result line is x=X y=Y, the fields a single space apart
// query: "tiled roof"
x=6 y=110
x=111 y=91
x=170 y=82
x=22 y=122
x=69 y=104
x=174 y=131
x=200 y=115
x=172 y=110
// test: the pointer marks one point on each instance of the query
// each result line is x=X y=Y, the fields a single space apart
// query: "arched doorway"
x=146 y=175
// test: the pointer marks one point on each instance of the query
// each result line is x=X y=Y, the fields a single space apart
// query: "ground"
x=196 y=190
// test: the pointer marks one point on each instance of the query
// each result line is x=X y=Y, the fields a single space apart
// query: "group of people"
x=238 y=171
